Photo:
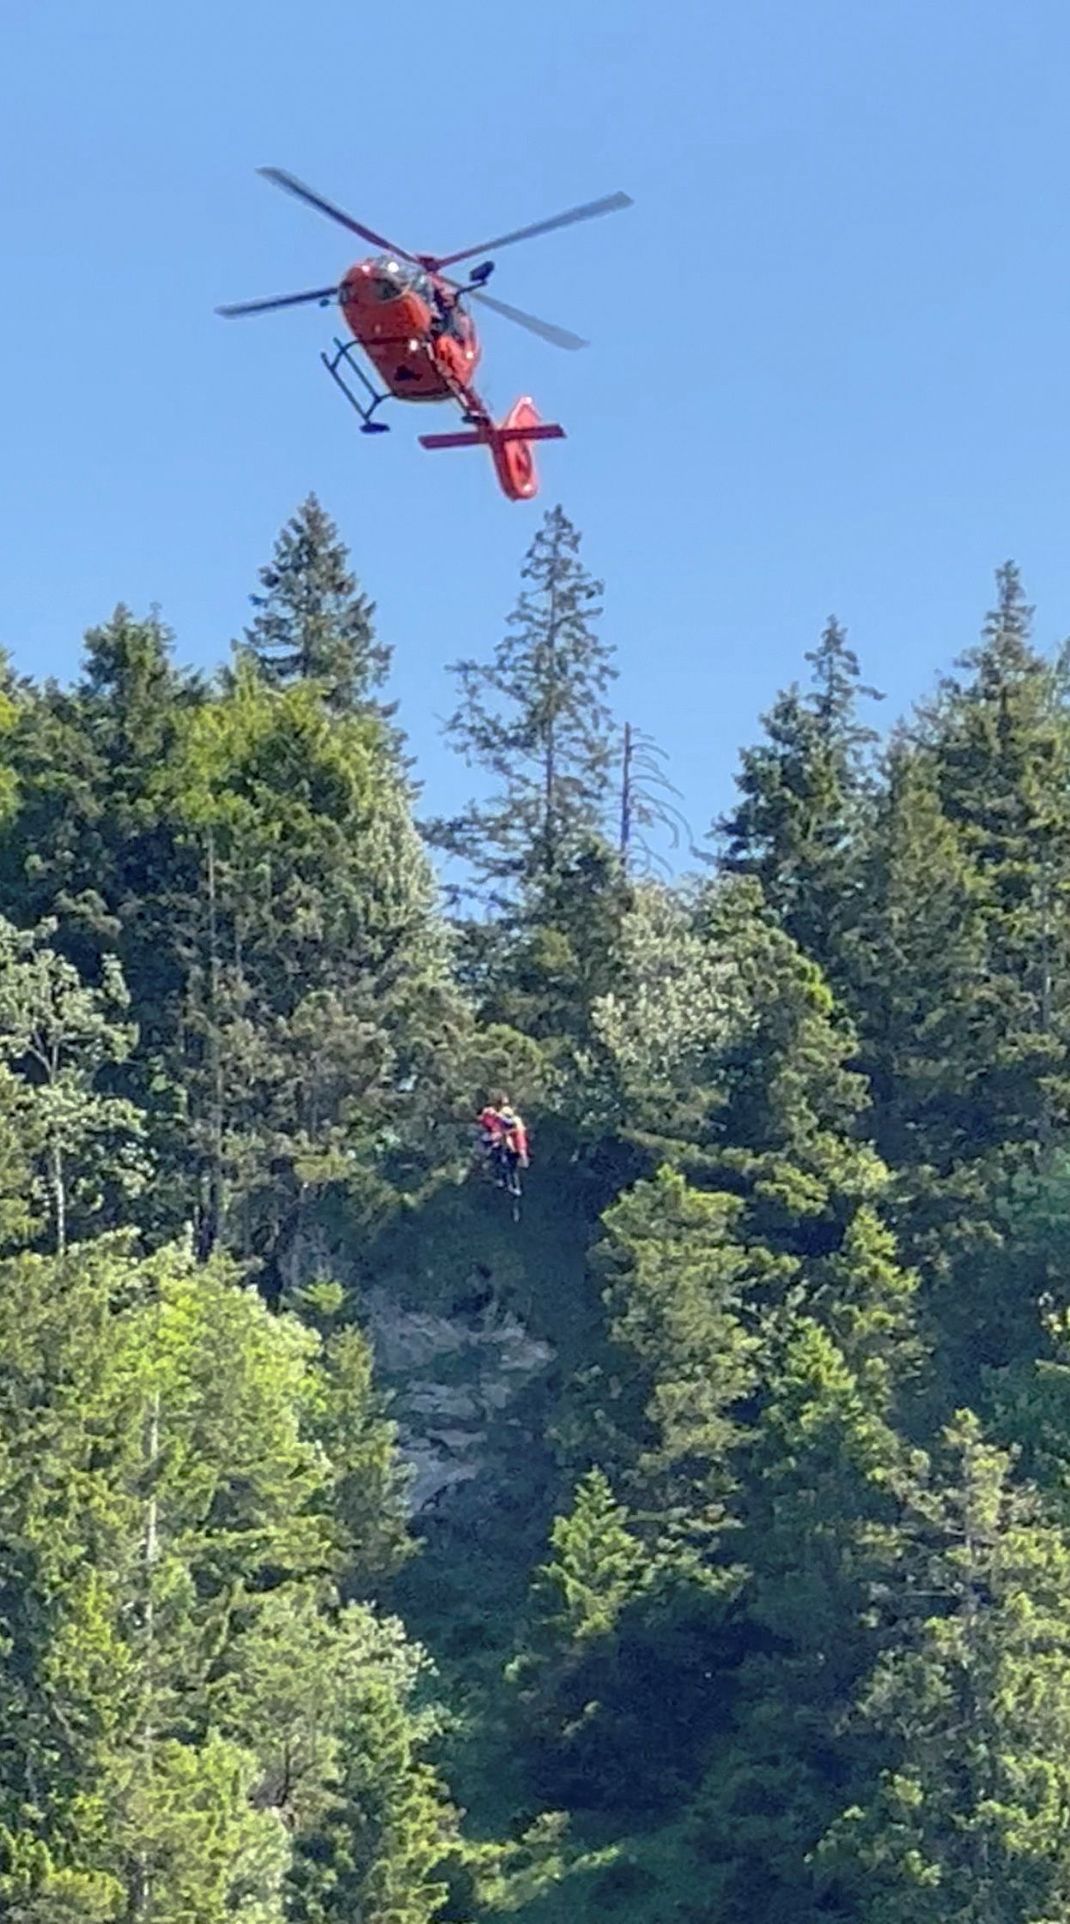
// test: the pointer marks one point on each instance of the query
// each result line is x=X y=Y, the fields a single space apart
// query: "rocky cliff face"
x=452 y=1380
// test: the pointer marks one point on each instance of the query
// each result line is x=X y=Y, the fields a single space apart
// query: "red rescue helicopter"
x=410 y=320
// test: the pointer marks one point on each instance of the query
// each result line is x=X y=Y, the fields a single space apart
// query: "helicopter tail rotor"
x=509 y=442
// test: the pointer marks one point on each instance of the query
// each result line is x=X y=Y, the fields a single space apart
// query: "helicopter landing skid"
x=332 y=362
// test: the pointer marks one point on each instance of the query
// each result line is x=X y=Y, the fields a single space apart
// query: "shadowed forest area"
x=696 y=1548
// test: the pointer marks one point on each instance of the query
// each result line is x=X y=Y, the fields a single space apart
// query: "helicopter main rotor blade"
x=557 y=336
x=298 y=188
x=589 y=211
x=278 y=300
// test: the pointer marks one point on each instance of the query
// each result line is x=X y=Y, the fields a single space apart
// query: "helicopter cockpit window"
x=391 y=279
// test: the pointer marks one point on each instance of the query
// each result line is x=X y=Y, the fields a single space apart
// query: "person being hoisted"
x=514 y=1150
x=504 y=1140
x=490 y=1130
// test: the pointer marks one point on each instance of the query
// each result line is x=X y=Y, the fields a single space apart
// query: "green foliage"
x=312 y=622
x=57 y=1036
x=727 y=1634
x=915 y=955
x=598 y=1566
x=673 y=1003
x=320 y=1029
x=676 y=1278
x=535 y=719
x=189 y=1716
x=550 y=968
x=973 y=1693
x=802 y=801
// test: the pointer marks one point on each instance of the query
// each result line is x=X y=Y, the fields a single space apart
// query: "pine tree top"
x=313 y=622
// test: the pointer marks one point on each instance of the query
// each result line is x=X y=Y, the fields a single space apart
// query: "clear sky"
x=829 y=368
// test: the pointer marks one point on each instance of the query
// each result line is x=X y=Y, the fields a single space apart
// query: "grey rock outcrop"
x=450 y=1379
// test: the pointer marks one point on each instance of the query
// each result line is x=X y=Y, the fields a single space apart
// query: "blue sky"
x=829 y=368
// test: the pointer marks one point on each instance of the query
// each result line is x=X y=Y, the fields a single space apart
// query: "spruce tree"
x=1002 y=756
x=547 y=971
x=825 y=1476
x=535 y=719
x=915 y=958
x=676 y=1280
x=802 y=801
x=966 y=1824
x=89 y=847
x=87 y=844
x=733 y=1062
x=312 y=621
x=959 y=965
x=598 y=1564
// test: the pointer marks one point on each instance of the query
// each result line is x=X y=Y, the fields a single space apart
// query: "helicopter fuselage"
x=412 y=327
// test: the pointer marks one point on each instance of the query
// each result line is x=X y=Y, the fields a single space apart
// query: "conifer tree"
x=90 y=848
x=534 y=718
x=802 y=796
x=312 y=621
x=192 y=1725
x=320 y=1023
x=958 y=962
x=87 y=845
x=598 y=1565
x=1001 y=756
x=825 y=1476
x=676 y=1279
x=756 y=1099
x=125 y=709
x=546 y=973
x=966 y=1824
x=915 y=958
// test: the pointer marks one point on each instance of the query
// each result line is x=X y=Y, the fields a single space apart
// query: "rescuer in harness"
x=504 y=1141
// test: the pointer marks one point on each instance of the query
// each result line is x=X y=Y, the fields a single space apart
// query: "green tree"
x=672 y=1005
x=598 y=1566
x=545 y=973
x=823 y=1481
x=1001 y=757
x=313 y=622
x=965 y=1825
x=87 y=844
x=58 y=1035
x=730 y=1060
x=803 y=794
x=88 y=847
x=676 y=1276
x=320 y=1026
x=534 y=718
x=916 y=958
x=190 y=1718
x=959 y=968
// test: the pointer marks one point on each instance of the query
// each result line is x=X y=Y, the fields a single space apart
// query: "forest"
x=694 y=1550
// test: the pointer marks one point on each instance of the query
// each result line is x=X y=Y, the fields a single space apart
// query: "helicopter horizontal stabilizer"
x=486 y=437
x=509 y=442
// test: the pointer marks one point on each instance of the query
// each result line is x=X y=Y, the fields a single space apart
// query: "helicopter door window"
x=447 y=320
